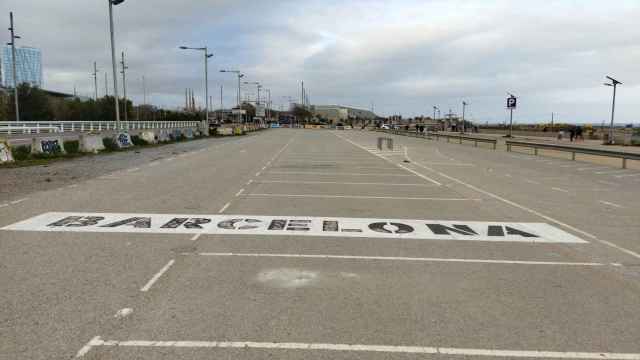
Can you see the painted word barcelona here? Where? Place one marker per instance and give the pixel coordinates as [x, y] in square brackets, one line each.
[295, 225]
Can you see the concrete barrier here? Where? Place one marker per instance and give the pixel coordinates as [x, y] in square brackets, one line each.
[91, 143]
[48, 145]
[5, 153]
[238, 130]
[225, 131]
[163, 136]
[123, 140]
[148, 136]
[188, 133]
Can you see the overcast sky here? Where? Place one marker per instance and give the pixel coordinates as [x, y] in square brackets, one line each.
[402, 57]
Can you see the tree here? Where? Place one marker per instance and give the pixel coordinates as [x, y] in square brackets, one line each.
[4, 106]
[34, 104]
[301, 113]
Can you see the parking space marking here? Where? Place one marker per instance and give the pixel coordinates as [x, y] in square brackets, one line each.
[610, 204]
[16, 202]
[627, 175]
[224, 208]
[338, 183]
[395, 258]
[240, 192]
[331, 173]
[157, 276]
[560, 189]
[361, 348]
[531, 181]
[323, 196]
[610, 172]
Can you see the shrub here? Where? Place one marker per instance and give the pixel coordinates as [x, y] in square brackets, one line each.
[138, 141]
[21, 152]
[72, 147]
[110, 144]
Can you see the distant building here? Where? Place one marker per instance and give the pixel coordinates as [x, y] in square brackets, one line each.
[28, 66]
[338, 113]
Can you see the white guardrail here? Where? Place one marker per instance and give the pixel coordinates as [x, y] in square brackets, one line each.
[35, 127]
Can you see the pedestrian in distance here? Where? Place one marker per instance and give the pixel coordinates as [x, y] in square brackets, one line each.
[572, 134]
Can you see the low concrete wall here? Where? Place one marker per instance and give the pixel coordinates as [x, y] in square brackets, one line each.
[91, 143]
[47, 145]
[123, 140]
[5, 153]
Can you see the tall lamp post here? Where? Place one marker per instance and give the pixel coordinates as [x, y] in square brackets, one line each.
[464, 105]
[240, 76]
[614, 83]
[113, 59]
[124, 87]
[13, 61]
[205, 124]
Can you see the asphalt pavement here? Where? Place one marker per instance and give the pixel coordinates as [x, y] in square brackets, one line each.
[315, 244]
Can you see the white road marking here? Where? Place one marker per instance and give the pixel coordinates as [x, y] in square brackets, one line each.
[169, 159]
[449, 164]
[123, 313]
[15, 202]
[4, 205]
[157, 276]
[258, 174]
[507, 175]
[610, 204]
[337, 183]
[249, 182]
[425, 350]
[72, 186]
[593, 168]
[196, 237]
[560, 189]
[152, 164]
[610, 172]
[283, 225]
[627, 175]
[133, 169]
[224, 208]
[422, 176]
[531, 182]
[571, 166]
[607, 183]
[96, 341]
[323, 196]
[240, 192]
[534, 212]
[397, 258]
[331, 173]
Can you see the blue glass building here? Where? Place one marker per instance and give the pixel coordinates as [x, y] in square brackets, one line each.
[28, 66]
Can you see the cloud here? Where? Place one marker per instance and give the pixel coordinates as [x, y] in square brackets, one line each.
[402, 56]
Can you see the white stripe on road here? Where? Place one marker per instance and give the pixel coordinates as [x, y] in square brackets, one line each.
[559, 189]
[425, 350]
[336, 183]
[331, 173]
[224, 208]
[398, 258]
[610, 172]
[607, 183]
[15, 202]
[627, 175]
[610, 204]
[531, 182]
[593, 168]
[322, 196]
[157, 276]
[133, 169]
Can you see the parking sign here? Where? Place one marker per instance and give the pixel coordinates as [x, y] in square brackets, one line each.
[511, 102]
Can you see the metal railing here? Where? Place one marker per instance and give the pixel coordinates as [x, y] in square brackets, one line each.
[33, 127]
[575, 150]
[431, 135]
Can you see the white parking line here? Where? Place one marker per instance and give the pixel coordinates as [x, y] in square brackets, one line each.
[559, 189]
[425, 350]
[337, 183]
[610, 204]
[321, 196]
[396, 258]
[627, 175]
[531, 182]
[157, 276]
[610, 172]
[331, 173]
[224, 208]
[607, 183]
[196, 237]
[240, 192]
[15, 202]
[133, 169]
[593, 168]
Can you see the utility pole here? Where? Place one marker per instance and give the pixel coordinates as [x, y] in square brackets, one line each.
[464, 105]
[95, 79]
[124, 87]
[106, 85]
[144, 98]
[13, 58]
[614, 83]
[552, 122]
[113, 59]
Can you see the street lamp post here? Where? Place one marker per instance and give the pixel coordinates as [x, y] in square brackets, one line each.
[124, 87]
[614, 83]
[206, 84]
[240, 76]
[95, 79]
[113, 59]
[464, 105]
[13, 58]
